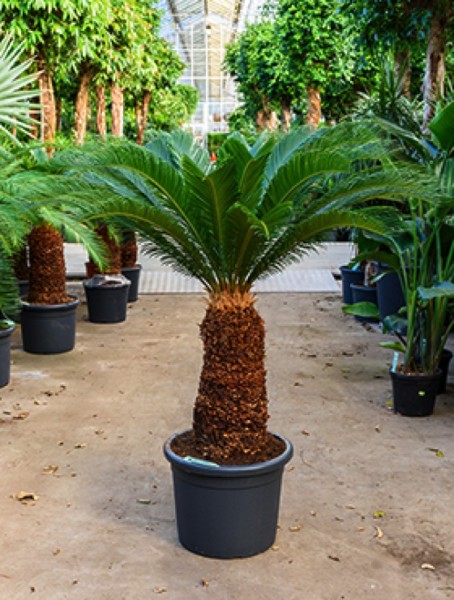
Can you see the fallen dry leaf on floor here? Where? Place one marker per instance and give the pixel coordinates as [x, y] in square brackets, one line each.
[360, 528]
[79, 446]
[333, 557]
[437, 452]
[50, 469]
[159, 590]
[350, 506]
[379, 514]
[25, 496]
[99, 431]
[205, 583]
[295, 528]
[377, 428]
[21, 416]
[428, 566]
[305, 432]
[56, 552]
[275, 548]
[144, 501]
[378, 533]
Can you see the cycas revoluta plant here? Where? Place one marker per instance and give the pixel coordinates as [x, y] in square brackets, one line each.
[250, 215]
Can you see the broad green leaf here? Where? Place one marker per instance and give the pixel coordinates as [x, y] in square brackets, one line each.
[362, 309]
[396, 346]
[442, 126]
[445, 289]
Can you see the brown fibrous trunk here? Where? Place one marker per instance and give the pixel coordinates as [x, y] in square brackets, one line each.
[47, 266]
[128, 249]
[81, 104]
[113, 252]
[20, 264]
[402, 65]
[101, 126]
[286, 115]
[314, 107]
[231, 410]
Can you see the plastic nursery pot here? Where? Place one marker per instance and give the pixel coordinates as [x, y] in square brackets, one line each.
[390, 297]
[362, 293]
[348, 277]
[107, 298]
[5, 354]
[227, 511]
[49, 329]
[445, 359]
[133, 274]
[414, 395]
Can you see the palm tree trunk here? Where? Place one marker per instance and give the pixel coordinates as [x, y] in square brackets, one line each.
[113, 252]
[47, 100]
[402, 66]
[47, 266]
[58, 112]
[101, 126]
[434, 77]
[286, 115]
[231, 410]
[141, 116]
[20, 265]
[81, 105]
[129, 250]
[116, 93]
[314, 107]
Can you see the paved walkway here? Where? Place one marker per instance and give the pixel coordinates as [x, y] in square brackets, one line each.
[314, 273]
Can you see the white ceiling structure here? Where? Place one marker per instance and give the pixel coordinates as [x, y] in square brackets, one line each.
[200, 30]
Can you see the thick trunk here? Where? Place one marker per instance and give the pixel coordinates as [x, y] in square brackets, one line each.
[141, 116]
[231, 410]
[20, 264]
[128, 249]
[113, 252]
[267, 120]
[434, 77]
[101, 126]
[47, 266]
[58, 113]
[402, 66]
[314, 107]
[81, 105]
[286, 115]
[117, 98]
[47, 100]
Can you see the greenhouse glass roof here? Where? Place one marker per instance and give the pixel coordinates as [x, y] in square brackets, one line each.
[200, 30]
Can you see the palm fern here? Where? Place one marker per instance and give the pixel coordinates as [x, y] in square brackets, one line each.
[260, 208]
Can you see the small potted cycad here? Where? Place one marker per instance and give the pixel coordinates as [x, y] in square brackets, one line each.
[229, 224]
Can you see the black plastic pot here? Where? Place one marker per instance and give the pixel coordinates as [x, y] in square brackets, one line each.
[107, 299]
[227, 511]
[414, 395]
[348, 277]
[5, 355]
[133, 274]
[362, 293]
[49, 329]
[445, 359]
[390, 297]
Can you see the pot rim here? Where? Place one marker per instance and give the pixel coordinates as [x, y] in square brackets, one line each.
[8, 331]
[214, 470]
[415, 376]
[44, 307]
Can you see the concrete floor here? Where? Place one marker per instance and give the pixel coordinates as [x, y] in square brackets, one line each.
[367, 505]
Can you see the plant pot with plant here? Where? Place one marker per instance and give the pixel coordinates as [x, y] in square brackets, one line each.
[229, 224]
[107, 290]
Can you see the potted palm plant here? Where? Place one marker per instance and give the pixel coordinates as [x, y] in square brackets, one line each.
[229, 224]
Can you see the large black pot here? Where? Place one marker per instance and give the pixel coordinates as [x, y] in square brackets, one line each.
[227, 511]
[390, 297]
[363, 293]
[5, 354]
[107, 298]
[133, 274]
[49, 329]
[415, 395]
[443, 363]
[348, 277]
